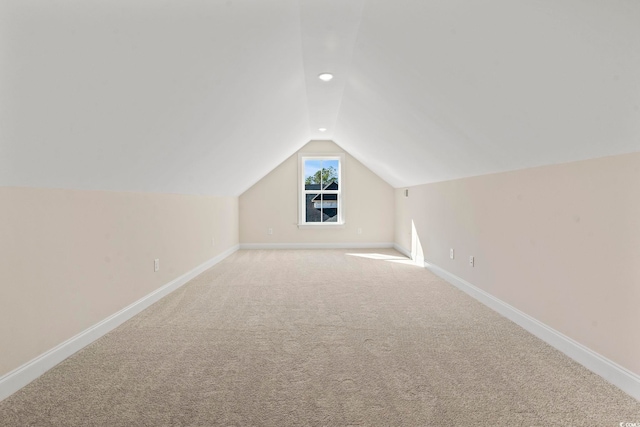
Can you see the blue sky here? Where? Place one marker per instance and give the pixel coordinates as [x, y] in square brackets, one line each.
[312, 166]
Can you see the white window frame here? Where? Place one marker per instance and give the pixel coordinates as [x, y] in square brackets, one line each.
[302, 198]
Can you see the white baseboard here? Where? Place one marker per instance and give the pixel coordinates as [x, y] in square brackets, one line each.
[617, 375]
[23, 375]
[315, 245]
[402, 250]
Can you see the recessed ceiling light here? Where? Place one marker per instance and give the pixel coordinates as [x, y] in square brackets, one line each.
[325, 77]
[322, 129]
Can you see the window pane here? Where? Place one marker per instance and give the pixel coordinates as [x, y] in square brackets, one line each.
[330, 170]
[320, 179]
[330, 208]
[322, 173]
[314, 208]
[312, 174]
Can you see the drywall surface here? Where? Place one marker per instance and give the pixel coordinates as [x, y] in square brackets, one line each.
[273, 203]
[560, 243]
[69, 258]
[167, 91]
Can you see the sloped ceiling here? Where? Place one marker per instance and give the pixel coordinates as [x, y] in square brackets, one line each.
[206, 97]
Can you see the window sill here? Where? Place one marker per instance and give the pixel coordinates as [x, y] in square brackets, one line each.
[321, 225]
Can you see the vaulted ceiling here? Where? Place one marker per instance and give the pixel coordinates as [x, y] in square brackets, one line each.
[208, 96]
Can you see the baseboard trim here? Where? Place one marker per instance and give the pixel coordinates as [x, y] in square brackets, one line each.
[315, 245]
[23, 375]
[402, 250]
[617, 375]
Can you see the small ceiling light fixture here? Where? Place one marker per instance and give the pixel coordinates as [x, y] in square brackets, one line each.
[325, 77]
[322, 129]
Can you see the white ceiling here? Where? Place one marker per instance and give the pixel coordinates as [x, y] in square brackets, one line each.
[208, 96]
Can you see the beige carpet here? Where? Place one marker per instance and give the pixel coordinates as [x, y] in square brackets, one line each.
[318, 338]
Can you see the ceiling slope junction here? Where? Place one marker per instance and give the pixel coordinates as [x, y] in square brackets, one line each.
[439, 90]
[195, 97]
[207, 97]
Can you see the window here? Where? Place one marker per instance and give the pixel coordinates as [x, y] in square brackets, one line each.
[320, 178]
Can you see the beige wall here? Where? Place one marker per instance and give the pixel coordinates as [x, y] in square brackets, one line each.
[273, 203]
[561, 243]
[69, 259]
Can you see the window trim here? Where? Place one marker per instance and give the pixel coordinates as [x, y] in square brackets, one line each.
[302, 201]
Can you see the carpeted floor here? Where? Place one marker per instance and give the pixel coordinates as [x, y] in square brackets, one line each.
[318, 338]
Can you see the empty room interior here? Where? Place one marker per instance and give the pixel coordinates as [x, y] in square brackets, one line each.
[320, 212]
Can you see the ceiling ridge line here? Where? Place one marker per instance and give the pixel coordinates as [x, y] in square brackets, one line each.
[348, 67]
[304, 74]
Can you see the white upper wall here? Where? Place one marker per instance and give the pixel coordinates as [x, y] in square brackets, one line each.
[196, 97]
[447, 89]
[207, 97]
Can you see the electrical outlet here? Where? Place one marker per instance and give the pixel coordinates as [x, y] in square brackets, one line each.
[269, 230]
[156, 265]
[451, 253]
[213, 241]
[471, 261]
[359, 230]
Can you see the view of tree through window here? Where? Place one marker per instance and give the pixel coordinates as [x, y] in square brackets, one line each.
[322, 189]
[328, 175]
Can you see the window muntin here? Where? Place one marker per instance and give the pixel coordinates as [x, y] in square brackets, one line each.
[321, 190]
